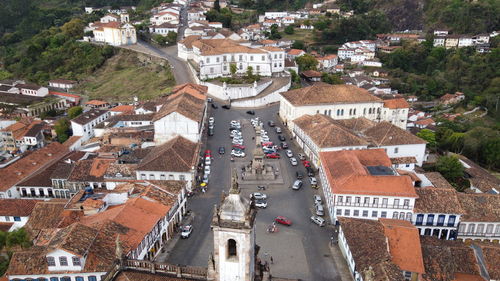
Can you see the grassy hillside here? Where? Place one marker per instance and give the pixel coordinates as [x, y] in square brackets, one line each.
[128, 74]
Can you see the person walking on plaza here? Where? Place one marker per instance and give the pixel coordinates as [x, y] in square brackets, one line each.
[272, 261]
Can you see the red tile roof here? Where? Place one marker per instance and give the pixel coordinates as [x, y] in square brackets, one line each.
[122, 108]
[396, 103]
[96, 102]
[295, 52]
[17, 207]
[322, 93]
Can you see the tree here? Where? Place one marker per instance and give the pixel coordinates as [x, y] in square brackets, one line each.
[299, 44]
[491, 153]
[62, 129]
[331, 78]
[289, 30]
[451, 168]
[159, 39]
[295, 76]
[217, 5]
[307, 62]
[250, 72]
[73, 28]
[171, 38]
[429, 136]
[274, 32]
[233, 68]
[74, 111]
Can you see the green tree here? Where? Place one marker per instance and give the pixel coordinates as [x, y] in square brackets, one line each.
[159, 39]
[429, 136]
[62, 128]
[295, 76]
[233, 68]
[289, 29]
[250, 72]
[299, 44]
[451, 168]
[217, 5]
[307, 62]
[331, 78]
[490, 153]
[18, 237]
[73, 28]
[74, 111]
[171, 38]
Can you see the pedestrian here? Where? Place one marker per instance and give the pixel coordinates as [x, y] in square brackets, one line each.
[272, 261]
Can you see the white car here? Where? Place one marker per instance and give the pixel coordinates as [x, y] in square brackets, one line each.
[317, 199]
[301, 156]
[313, 181]
[261, 203]
[289, 153]
[208, 161]
[207, 170]
[258, 195]
[205, 178]
[293, 161]
[186, 231]
[211, 120]
[318, 220]
[240, 142]
[237, 153]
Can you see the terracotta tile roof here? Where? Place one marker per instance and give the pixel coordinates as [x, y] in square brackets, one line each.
[426, 121]
[385, 133]
[209, 47]
[322, 93]
[75, 239]
[347, 172]
[403, 160]
[28, 262]
[177, 155]
[164, 192]
[122, 108]
[96, 102]
[438, 180]
[327, 57]
[443, 259]
[5, 226]
[72, 140]
[480, 207]
[189, 40]
[468, 277]
[190, 105]
[479, 177]
[29, 86]
[491, 254]
[295, 52]
[396, 103]
[311, 73]
[324, 132]
[196, 90]
[437, 200]
[272, 49]
[130, 275]
[404, 244]
[17, 207]
[30, 164]
[48, 214]
[374, 254]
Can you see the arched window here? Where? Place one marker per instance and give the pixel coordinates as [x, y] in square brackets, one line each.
[364, 111]
[231, 248]
[354, 111]
[369, 111]
[472, 228]
[342, 112]
[92, 278]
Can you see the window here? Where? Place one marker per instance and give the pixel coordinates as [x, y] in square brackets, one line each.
[258, 68]
[384, 202]
[430, 219]
[251, 58]
[347, 212]
[480, 229]
[408, 216]
[63, 261]
[143, 176]
[402, 216]
[51, 262]
[66, 278]
[395, 215]
[182, 177]
[241, 57]
[217, 59]
[76, 262]
[79, 278]
[420, 219]
[356, 213]
[223, 59]
[163, 177]
[489, 229]
[375, 201]
[451, 220]
[365, 213]
[406, 203]
[7, 218]
[366, 201]
[357, 200]
[263, 58]
[211, 70]
[340, 199]
[339, 212]
[383, 214]
[472, 228]
[374, 214]
[92, 278]
[441, 220]
[208, 60]
[231, 248]
[396, 203]
[396, 150]
[151, 176]
[348, 199]
[54, 279]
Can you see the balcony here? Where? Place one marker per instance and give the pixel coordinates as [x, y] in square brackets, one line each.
[385, 206]
[473, 234]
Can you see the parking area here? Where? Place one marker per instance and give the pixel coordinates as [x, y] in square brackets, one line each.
[298, 251]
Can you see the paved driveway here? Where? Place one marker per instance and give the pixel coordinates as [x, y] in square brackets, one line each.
[300, 251]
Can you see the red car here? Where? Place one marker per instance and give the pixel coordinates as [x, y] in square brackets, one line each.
[283, 220]
[273, 156]
[306, 163]
[239, 146]
[269, 143]
[208, 153]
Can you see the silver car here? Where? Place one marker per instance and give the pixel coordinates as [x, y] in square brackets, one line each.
[318, 220]
[293, 161]
[319, 210]
[317, 199]
[297, 185]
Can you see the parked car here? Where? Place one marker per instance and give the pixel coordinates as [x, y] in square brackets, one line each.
[186, 231]
[237, 153]
[261, 203]
[251, 112]
[297, 185]
[318, 220]
[210, 100]
[214, 106]
[301, 156]
[313, 181]
[211, 132]
[208, 161]
[293, 161]
[205, 178]
[211, 120]
[284, 145]
[278, 130]
[283, 220]
[273, 155]
[271, 123]
[317, 199]
[319, 210]
[207, 170]
[226, 106]
[208, 153]
[239, 146]
[258, 195]
[299, 175]
[306, 163]
[289, 153]
[222, 150]
[281, 138]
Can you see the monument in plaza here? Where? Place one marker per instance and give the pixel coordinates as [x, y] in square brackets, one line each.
[258, 169]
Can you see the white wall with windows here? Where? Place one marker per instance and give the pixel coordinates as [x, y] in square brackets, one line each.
[59, 260]
[484, 231]
[346, 252]
[187, 176]
[176, 124]
[81, 276]
[443, 226]
[18, 221]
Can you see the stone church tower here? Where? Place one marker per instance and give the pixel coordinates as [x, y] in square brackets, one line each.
[234, 238]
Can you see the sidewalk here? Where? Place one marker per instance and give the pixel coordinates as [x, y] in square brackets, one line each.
[163, 255]
[340, 262]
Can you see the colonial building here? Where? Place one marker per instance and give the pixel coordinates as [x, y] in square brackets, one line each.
[14, 213]
[393, 253]
[116, 31]
[23, 135]
[338, 102]
[363, 184]
[84, 124]
[319, 133]
[437, 212]
[481, 220]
